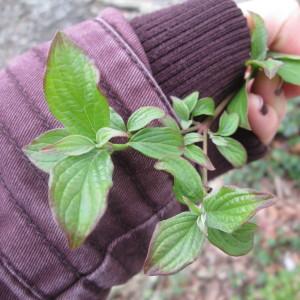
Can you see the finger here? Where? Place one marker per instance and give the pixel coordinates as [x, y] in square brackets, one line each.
[270, 91]
[263, 119]
[282, 20]
[287, 39]
[275, 14]
[291, 91]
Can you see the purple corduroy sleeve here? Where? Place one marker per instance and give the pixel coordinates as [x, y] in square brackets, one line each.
[35, 261]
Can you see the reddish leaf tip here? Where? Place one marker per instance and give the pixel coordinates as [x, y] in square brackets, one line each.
[73, 242]
[60, 37]
[49, 148]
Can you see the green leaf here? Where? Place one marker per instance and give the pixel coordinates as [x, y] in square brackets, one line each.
[176, 243]
[191, 101]
[116, 121]
[187, 181]
[104, 135]
[232, 150]
[231, 207]
[219, 140]
[229, 124]
[170, 122]
[204, 107]
[45, 161]
[192, 138]
[277, 55]
[290, 71]
[259, 38]
[157, 142]
[238, 243]
[239, 105]
[271, 67]
[72, 145]
[143, 116]
[181, 109]
[196, 154]
[71, 91]
[79, 188]
[186, 124]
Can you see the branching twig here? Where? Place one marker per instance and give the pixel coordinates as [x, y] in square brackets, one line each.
[201, 127]
[205, 150]
[219, 110]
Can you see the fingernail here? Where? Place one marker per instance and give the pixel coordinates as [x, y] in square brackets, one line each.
[248, 73]
[250, 85]
[279, 90]
[264, 110]
[262, 107]
[260, 102]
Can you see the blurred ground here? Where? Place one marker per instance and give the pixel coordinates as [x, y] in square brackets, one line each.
[25, 23]
[272, 271]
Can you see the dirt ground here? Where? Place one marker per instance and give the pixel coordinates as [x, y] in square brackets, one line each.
[25, 23]
[216, 276]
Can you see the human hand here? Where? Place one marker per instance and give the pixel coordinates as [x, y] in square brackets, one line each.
[267, 101]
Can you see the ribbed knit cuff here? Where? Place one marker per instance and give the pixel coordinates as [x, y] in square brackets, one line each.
[187, 43]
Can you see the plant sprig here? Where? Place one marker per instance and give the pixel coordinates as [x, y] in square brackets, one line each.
[78, 157]
[273, 64]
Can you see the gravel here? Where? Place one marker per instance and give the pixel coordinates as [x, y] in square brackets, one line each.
[24, 23]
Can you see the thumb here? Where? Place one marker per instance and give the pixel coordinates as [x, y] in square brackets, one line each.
[276, 13]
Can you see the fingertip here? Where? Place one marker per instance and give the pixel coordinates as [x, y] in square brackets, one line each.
[274, 13]
[263, 119]
[268, 89]
[287, 38]
[291, 91]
